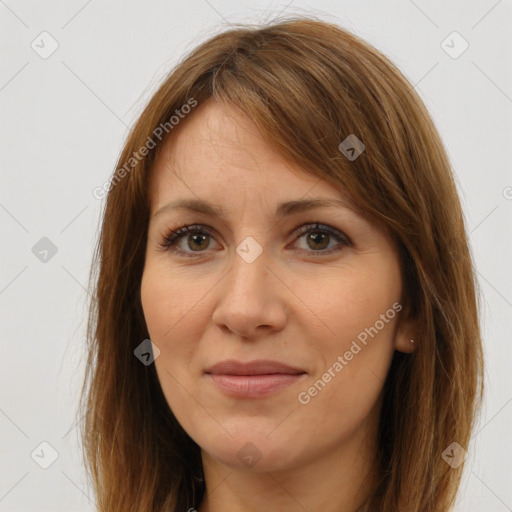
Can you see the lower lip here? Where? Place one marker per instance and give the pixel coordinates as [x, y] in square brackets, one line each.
[253, 386]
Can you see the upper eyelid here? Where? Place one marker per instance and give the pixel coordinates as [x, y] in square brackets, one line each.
[196, 226]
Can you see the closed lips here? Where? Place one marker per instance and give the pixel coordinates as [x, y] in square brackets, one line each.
[259, 367]
[253, 380]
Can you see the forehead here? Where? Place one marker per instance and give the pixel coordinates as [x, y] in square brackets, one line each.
[218, 154]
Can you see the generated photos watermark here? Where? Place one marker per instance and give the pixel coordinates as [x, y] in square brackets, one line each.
[304, 397]
[158, 133]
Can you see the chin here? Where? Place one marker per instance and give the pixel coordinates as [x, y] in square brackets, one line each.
[252, 452]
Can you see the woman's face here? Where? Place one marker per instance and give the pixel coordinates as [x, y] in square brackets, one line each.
[265, 283]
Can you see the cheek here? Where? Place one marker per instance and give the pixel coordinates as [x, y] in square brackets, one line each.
[346, 388]
[170, 303]
[359, 314]
[175, 318]
[348, 301]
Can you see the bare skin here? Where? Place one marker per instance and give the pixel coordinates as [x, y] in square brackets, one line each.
[303, 301]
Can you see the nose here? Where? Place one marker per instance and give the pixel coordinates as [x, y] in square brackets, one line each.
[251, 299]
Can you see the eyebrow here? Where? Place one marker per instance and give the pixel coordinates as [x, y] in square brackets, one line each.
[284, 209]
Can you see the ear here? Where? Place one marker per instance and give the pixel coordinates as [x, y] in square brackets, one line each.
[405, 340]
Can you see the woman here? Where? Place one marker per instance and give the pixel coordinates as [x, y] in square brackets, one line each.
[283, 225]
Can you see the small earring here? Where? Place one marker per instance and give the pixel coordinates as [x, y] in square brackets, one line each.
[412, 341]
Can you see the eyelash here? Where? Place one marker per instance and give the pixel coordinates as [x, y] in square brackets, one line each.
[174, 235]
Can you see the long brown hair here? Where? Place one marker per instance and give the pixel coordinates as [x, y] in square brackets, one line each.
[307, 85]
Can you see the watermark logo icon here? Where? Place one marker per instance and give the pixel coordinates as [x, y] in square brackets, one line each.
[44, 455]
[454, 45]
[249, 455]
[454, 455]
[249, 249]
[44, 45]
[44, 250]
[147, 352]
[352, 147]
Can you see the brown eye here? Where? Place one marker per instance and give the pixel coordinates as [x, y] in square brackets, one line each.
[197, 241]
[319, 236]
[317, 241]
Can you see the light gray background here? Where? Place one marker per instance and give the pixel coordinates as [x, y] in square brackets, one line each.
[63, 121]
